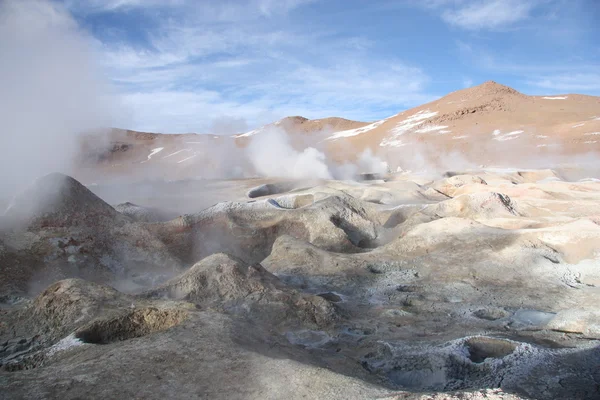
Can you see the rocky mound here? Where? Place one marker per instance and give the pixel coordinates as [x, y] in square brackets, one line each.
[142, 214]
[78, 311]
[291, 256]
[219, 278]
[476, 205]
[293, 201]
[222, 281]
[62, 230]
[272, 188]
[247, 230]
[488, 394]
[450, 185]
[129, 325]
[534, 176]
[57, 200]
[480, 361]
[66, 305]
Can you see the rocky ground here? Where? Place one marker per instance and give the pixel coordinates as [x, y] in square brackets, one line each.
[482, 284]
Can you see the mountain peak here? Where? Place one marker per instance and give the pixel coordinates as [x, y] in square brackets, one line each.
[294, 119]
[492, 87]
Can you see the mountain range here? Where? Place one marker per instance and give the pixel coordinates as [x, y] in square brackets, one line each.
[489, 124]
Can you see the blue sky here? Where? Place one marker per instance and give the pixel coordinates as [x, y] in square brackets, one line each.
[229, 66]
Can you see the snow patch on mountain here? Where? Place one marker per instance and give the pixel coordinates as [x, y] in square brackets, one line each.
[357, 131]
[406, 125]
[154, 151]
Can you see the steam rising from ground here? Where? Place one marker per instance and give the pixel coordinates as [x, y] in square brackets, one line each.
[272, 154]
[51, 91]
[369, 162]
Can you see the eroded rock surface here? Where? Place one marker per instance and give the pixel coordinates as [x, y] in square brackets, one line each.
[477, 284]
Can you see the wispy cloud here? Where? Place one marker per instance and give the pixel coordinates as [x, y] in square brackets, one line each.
[483, 14]
[272, 7]
[200, 62]
[102, 6]
[185, 65]
[579, 82]
[296, 89]
[225, 10]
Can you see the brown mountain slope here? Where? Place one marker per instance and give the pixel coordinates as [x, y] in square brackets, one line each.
[483, 123]
[488, 124]
[129, 146]
[298, 124]
[302, 132]
[125, 153]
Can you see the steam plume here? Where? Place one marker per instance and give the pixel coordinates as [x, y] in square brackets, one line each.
[51, 91]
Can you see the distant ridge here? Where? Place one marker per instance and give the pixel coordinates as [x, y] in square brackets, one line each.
[486, 124]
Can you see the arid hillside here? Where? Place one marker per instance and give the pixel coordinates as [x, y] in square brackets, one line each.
[489, 124]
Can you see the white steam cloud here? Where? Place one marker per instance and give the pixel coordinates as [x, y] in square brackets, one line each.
[369, 162]
[51, 91]
[271, 154]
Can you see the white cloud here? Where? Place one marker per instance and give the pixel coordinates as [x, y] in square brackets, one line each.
[373, 83]
[272, 7]
[246, 60]
[183, 111]
[224, 10]
[103, 6]
[259, 98]
[578, 82]
[483, 14]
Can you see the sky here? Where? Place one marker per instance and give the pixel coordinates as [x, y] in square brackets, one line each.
[229, 66]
